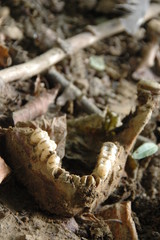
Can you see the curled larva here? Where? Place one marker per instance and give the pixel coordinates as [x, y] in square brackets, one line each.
[53, 161]
[37, 135]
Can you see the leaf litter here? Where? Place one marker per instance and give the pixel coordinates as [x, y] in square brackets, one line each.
[145, 150]
[85, 134]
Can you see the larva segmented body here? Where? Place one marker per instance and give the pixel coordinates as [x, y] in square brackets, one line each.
[45, 148]
[107, 157]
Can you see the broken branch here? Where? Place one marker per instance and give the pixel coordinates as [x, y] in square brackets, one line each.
[46, 60]
[37, 107]
[88, 106]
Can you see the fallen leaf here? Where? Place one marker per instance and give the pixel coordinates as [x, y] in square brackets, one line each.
[97, 62]
[145, 150]
[4, 170]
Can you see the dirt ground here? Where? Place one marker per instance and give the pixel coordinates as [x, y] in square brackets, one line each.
[28, 29]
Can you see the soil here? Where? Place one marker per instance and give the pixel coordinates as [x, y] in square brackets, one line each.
[36, 25]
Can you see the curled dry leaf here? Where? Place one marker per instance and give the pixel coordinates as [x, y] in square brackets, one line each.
[35, 108]
[124, 101]
[119, 219]
[5, 59]
[4, 170]
[7, 94]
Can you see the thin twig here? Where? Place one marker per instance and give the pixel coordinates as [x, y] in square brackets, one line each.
[88, 106]
[35, 108]
[46, 60]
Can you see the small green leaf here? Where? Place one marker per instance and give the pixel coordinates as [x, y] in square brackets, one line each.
[145, 150]
[97, 62]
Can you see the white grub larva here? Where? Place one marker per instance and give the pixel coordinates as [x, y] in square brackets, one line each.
[102, 170]
[53, 161]
[37, 135]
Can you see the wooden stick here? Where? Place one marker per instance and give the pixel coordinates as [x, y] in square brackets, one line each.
[80, 41]
[35, 108]
[88, 106]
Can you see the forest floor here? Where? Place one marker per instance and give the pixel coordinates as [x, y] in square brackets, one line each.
[106, 73]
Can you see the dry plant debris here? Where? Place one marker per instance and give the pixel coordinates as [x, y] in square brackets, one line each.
[59, 191]
[74, 164]
[119, 218]
[35, 108]
[4, 170]
[46, 60]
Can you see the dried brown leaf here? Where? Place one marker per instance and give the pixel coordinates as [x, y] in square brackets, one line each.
[4, 170]
[35, 108]
[124, 228]
[5, 59]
